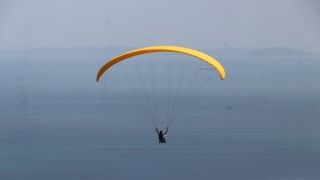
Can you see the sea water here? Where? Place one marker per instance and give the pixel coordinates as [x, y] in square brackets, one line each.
[262, 122]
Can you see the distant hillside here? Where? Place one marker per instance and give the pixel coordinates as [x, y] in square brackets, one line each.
[276, 51]
[280, 51]
[229, 51]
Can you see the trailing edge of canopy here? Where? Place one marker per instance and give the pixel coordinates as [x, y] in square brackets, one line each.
[175, 49]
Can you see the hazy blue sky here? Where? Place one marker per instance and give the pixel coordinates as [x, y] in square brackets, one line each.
[195, 23]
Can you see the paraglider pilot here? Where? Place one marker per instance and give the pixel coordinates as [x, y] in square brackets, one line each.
[162, 135]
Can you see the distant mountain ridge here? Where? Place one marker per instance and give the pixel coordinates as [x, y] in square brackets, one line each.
[275, 51]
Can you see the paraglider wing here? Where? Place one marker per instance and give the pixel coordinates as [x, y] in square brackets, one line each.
[153, 49]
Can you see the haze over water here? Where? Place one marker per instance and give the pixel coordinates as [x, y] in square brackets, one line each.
[261, 122]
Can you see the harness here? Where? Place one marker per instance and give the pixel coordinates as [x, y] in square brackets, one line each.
[161, 137]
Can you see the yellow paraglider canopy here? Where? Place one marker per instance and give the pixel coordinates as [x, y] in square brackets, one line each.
[175, 49]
